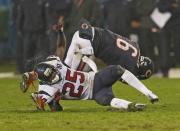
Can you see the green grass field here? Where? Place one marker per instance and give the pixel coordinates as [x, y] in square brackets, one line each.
[17, 112]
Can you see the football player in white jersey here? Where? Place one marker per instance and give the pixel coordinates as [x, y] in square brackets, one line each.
[58, 81]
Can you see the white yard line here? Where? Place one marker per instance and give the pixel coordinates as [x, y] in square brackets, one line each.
[7, 75]
[174, 73]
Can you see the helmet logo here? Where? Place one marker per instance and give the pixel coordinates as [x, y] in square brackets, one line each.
[146, 67]
[48, 72]
[84, 26]
[148, 73]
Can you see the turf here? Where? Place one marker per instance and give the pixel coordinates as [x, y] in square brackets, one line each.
[17, 112]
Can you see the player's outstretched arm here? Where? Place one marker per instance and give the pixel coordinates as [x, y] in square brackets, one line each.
[61, 45]
[61, 38]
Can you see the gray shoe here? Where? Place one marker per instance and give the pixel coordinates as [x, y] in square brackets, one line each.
[136, 107]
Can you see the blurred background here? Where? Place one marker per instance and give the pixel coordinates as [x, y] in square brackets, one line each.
[26, 28]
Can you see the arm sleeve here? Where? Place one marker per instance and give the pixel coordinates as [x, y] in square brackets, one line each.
[71, 51]
[78, 45]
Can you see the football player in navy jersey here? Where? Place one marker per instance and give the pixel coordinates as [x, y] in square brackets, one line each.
[58, 81]
[111, 48]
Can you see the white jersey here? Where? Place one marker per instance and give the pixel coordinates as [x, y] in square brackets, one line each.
[74, 84]
[79, 48]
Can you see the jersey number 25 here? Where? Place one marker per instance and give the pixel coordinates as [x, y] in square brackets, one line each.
[74, 91]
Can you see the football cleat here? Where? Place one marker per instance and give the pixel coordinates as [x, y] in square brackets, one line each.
[153, 98]
[136, 107]
[27, 80]
[39, 102]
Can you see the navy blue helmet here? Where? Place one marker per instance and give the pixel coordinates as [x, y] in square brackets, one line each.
[145, 67]
[47, 74]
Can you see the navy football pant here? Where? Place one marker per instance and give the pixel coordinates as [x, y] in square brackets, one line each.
[103, 81]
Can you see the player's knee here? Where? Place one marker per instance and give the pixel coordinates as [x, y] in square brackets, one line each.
[104, 100]
[120, 70]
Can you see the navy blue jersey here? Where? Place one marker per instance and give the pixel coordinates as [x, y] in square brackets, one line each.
[114, 49]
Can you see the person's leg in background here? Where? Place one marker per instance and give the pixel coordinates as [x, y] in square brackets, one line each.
[176, 42]
[19, 54]
[146, 43]
[164, 51]
[28, 50]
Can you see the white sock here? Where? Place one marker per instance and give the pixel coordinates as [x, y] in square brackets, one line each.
[120, 103]
[136, 83]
